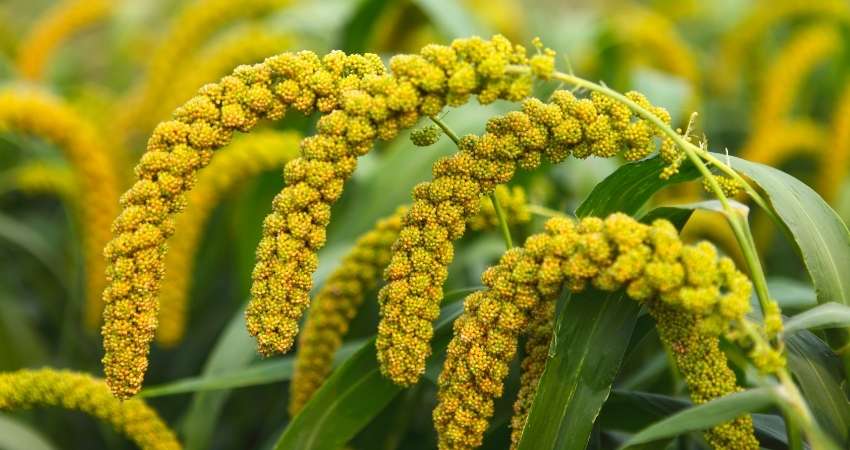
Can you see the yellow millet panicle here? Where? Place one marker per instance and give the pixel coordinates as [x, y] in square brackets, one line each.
[655, 37]
[192, 27]
[835, 163]
[134, 419]
[360, 102]
[338, 301]
[373, 106]
[737, 45]
[248, 46]
[44, 178]
[703, 365]
[785, 140]
[335, 306]
[242, 160]
[513, 202]
[48, 118]
[566, 125]
[649, 261]
[782, 81]
[536, 354]
[58, 24]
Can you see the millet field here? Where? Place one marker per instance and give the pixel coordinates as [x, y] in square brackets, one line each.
[424, 224]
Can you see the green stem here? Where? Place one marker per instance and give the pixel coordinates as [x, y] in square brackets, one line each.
[795, 439]
[500, 213]
[795, 409]
[443, 126]
[503, 221]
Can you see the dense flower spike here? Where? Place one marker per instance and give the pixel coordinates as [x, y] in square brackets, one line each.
[372, 106]
[653, 266]
[58, 24]
[703, 365]
[738, 43]
[189, 30]
[566, 125]
[338, 301]
[645, 37]
[360, 101]
[248, 46]
[536, 354]
[836, 162]
[784, 140]
[242, 160]
[782, 80]
[81, 392]
[47, 118]
[39, 178]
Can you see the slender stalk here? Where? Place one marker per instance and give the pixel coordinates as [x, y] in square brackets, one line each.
[503, 221]
[793, 404]
[500, 213]
[795, 439]
[443, 126]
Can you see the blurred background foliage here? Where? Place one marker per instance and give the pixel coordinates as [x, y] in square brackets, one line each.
[768, 79]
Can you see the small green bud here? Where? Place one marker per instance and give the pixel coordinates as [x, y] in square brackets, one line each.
[425, 136]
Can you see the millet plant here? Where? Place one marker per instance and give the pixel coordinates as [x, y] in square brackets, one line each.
[571, 296]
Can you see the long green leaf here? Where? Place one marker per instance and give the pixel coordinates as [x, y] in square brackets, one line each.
[630, 186]
[705, 416]
[21, 345]
[827, 315]
[22, 236]
[263, 372]
[578, 377]
[352, 396]
[632, 411]
[816, 230]
[818, 372]
[676, 215]
[16, 435]
[233, 350]
[359, 27]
